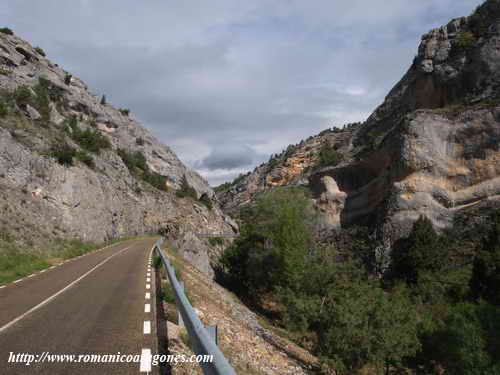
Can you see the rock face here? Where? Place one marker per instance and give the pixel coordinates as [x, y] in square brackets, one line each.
[432, 148]
[42, 200]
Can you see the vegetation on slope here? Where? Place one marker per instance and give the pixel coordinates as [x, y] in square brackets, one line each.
[436, 307]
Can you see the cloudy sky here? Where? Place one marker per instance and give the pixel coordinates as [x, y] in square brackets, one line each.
[226, 83]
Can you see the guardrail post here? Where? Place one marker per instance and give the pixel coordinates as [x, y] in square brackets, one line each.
[180, 322]
[212, 332]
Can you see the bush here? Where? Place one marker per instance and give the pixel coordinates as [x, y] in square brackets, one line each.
[216, 241]
[23, 95]
[137, 165]
[89, 139]
[466, 342]
[328, 157]
[63, 153]
[465, 40]
[67, 79]
[40, 51]
[124, 111]
[4, 110]
[85, 158]
[275, 239]
[205, 200]
[485, 281]
[186, 191]
[6, 30]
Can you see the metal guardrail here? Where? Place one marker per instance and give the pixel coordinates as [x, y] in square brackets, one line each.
[210, 235]
[200, 338]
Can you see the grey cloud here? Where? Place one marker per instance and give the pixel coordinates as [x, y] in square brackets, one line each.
[230, 158]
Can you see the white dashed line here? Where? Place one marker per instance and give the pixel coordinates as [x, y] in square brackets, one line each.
[147, 327]
[148, 286]
[42, 271]
[18, 281]
[31, 275]
[148, 280]
[3, 286]
[148, 295]
[149, 274]
[145, 360]
[147, 308]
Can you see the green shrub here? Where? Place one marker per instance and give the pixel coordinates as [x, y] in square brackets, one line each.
[6, 30]
[137, 165]
[186, 190]
[485, 281]
[89, 139]
[40, 51]
[465, 40]
[67, 78]
[23, 95]
[205, 200]
[5, 72]
[466, 342]
[328, 157]
[275, 239]
[168, 294]
[63, 153]
[4, 110]
[85, 158]
[216, 241]
[124, 111]
[157, 262]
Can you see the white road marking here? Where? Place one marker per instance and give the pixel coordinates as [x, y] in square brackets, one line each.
[31, 275]
[44, 302]
[148, 295]
[18, 280]
[3, 286]
[147, 327]
[149, 274]
[147, 308]
[148, 286]
[148, 280]
[145, 360]
[43, 271]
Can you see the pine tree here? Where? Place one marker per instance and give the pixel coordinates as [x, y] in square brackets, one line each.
[485, 281]
[419, 253]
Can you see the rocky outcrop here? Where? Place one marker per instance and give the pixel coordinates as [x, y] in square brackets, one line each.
[293, 166]
[94, 199]
[432, 147]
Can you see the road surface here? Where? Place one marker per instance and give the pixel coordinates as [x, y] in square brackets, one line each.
[95, 304]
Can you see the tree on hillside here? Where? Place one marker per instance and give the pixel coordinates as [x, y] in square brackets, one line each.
[275, 240]
[418, 254]
[485, 281]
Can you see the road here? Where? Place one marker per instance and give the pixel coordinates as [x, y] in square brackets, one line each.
[95, 304]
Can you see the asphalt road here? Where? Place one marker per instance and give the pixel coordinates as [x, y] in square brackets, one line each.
[95, 304]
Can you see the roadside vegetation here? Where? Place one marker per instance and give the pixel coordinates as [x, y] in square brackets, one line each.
[435, 309]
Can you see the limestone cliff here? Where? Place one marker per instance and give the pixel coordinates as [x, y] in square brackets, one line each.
[91, 194]
[431, 148]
